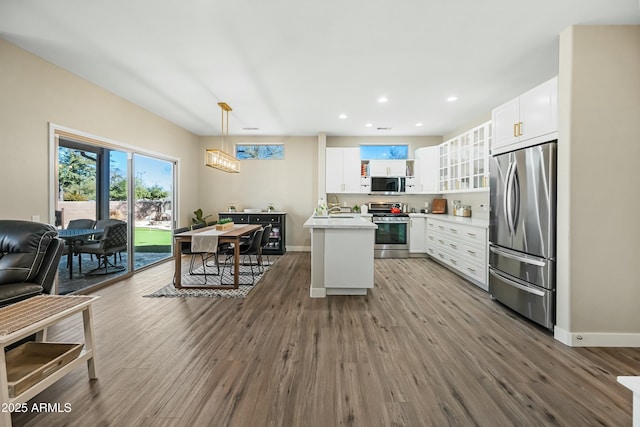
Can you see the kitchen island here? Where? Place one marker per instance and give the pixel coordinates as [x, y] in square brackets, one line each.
[341, 255]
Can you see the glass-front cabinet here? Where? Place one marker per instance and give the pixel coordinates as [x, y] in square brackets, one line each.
[444, 167]
[481, 137]
[464, 161]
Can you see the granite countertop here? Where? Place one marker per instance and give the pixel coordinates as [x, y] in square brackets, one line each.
[337, 222]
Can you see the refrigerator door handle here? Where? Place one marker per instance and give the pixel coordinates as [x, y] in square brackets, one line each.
[508, 210]
[517, 257]
[515, 187]
[516, 285]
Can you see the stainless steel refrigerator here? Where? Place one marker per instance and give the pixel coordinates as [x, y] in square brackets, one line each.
[522, 231]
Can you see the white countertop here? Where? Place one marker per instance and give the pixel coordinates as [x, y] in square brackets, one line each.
[336, 222]
[472, 221]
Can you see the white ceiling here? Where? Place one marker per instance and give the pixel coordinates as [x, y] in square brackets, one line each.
[290, 67]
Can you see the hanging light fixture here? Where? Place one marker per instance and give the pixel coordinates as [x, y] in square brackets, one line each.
[218, 158]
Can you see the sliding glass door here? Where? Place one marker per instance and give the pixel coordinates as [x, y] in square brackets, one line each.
[102, 187]
[153, 209]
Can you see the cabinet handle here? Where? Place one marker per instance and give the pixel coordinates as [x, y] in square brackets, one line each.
[453, 230]
[471, 234]
[441, 227]
[453, 246]
[441, 256]
[471, 252]
[520, 129]
[473, 270]
[441, 241]
[453, 261]
[515, 129]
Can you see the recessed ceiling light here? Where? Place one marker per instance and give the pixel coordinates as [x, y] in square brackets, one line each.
[342, 116]
[452, 98]
[382, 99]
[418, 124]
[368, 125]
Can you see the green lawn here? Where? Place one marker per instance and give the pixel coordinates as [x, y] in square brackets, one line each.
[152, 237]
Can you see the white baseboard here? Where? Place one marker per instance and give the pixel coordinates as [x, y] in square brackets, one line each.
[346, 291]
[596, 339]
[318, 292]
[299, 248]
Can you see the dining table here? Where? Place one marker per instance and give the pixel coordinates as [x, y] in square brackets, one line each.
[73, 235]
[233, 235]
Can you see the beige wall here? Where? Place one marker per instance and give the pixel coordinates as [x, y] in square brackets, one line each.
[599, 148]
[34, 93]
[290, 184]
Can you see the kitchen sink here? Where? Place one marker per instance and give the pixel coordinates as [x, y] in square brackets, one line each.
[340, 216]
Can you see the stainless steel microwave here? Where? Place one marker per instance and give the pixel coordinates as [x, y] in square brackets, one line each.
[387, 184]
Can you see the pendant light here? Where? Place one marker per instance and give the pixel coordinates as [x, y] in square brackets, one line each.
[219, 159]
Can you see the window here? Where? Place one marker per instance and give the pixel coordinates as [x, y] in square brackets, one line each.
[384, 152]
[260, 151]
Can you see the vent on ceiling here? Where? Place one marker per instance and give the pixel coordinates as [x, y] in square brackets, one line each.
[383, 128]
[250, 128]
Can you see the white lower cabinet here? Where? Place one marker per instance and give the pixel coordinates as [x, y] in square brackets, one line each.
[417, 234]
[461, 247]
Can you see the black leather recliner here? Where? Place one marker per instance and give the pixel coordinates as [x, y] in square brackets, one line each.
[29, 256]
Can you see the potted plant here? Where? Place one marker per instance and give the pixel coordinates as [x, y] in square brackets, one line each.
[199, 218]
[224, 224]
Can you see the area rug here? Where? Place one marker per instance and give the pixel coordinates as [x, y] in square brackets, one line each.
[213, 279]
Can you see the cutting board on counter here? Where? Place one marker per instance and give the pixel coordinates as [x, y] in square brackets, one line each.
[439, 206]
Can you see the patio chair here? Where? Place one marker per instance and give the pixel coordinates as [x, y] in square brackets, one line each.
[101, 224]
[114, 240]
[76, 224]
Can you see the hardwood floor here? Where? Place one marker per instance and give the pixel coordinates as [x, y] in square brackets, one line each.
[424, 348]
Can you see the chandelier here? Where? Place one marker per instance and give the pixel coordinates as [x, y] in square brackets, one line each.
[218, 158]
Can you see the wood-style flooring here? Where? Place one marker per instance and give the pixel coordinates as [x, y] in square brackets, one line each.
[424, 348]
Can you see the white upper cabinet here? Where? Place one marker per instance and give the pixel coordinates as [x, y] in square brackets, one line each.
[426, 170]
[529, 119]
[387, 167]
[463, 161]
[342, 170]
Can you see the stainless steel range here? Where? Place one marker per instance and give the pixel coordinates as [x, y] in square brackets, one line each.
[392, 235]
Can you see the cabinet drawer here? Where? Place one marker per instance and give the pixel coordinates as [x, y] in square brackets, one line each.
[238, 219]
[438, 226]
[473, 234]
[264, 219]
[476, 271]
[445, 256]
[474, 252]
[446, 242]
